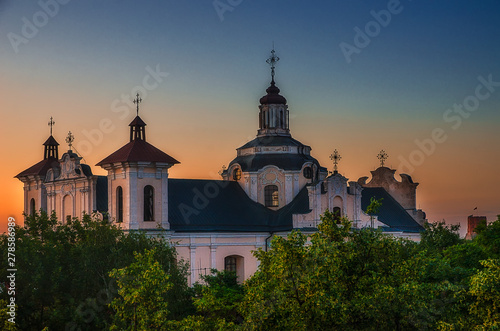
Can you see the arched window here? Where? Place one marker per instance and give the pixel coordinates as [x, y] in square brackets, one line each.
[337, 214]
[237, 174]
[235, 263]
[32, 207]
[149, 199]
[119, 204]
[308, 172]
[271, 196]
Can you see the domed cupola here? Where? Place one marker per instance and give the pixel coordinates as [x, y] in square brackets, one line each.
[273, 96]
[273, 114]
[273, 168]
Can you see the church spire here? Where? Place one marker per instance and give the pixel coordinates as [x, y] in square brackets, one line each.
[137, 126]
[273, 115]
[50, 145]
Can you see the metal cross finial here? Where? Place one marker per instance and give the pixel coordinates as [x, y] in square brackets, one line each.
[382, 156]
[335, 157]
[272, 61]
[221, 171]
[137, 101]
[69, 139]
[51, 124]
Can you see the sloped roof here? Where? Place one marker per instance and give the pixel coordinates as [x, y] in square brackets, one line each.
[51, 141]
[138, 151]
[272, 141]
[256, 162]
[40, 169]
[225, 207]
[391, 212]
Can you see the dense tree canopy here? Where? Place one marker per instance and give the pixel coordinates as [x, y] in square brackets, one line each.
[63, 277]
[90, 275]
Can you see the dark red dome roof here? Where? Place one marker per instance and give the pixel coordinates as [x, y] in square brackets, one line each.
[273, 96]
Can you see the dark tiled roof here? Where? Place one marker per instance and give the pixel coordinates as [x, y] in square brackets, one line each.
[391, 212]
[87, 171]
[137, 151]
[225, 207]
[137, 121]
[51, 141]
[40, 168]
[283, 161]
[273, 141]
[102, 193]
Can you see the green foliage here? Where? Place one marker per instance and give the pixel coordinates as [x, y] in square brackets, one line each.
[438, 236]
[374, 206]
[338, 279]
[219, 296]
[488, 237]
[216, 301]
[144, 287]
[485, 291]
[5, 324]
[63, 271]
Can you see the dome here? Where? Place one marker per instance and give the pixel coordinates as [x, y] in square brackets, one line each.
[273, 96]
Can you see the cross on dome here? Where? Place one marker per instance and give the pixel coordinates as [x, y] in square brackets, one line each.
[335, 157]
[382, 156]
[272, 60]
[69, 139]
[51, 124]
[137, 101]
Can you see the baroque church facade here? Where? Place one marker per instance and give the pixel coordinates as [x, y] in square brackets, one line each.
[272, 186]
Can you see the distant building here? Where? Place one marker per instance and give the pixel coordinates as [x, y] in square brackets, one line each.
[272, 186]
[472, 223]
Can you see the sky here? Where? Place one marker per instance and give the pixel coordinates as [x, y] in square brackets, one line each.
[419, 79]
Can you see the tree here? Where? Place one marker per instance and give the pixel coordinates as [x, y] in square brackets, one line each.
[488, 237]
[345, 279]
[144, 287]
[485, 290]
[216, 300]
[63, 271]
[373, 208]
[438, 236]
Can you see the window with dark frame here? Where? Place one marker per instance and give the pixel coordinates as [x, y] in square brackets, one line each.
[148, 203]
[237, 174]
[32, 207]
[308, 173]
[337, 214]
[230, 263]
[119, 204]
[271, 196]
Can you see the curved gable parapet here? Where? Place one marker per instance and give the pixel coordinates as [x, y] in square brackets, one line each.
[403, 191]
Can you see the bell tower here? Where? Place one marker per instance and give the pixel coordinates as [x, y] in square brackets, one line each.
[138, 181]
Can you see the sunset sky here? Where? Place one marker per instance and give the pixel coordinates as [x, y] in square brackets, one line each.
[419, 79]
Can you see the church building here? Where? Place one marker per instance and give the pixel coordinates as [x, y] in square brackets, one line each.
[272, 186]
